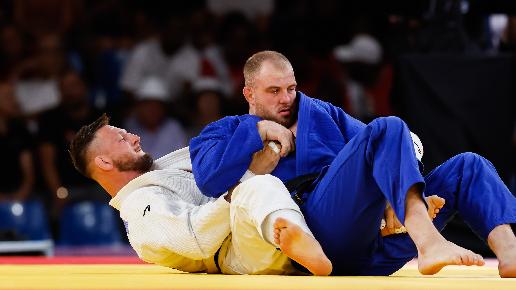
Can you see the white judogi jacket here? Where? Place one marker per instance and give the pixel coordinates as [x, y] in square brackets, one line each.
[169, 221]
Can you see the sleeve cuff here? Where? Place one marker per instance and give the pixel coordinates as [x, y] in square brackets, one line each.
[248, 174]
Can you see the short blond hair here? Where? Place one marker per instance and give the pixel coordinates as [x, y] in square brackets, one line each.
[254, 63]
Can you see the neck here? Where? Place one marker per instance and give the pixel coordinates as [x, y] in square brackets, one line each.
[113, 183]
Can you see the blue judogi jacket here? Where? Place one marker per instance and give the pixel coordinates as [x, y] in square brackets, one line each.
[223, 151]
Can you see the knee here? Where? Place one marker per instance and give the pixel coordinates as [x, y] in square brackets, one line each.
[387, 122]
[257, 187]
[473, 159]
[469, 157]
[385, 125]
[262, 181]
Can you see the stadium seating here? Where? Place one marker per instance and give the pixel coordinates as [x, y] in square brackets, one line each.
[89, 223]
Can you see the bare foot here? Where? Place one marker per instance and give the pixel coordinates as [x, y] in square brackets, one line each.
[435, 203]
[507, 268]
[444, 253]
[503, 243]
[507, 263]
[301, 247]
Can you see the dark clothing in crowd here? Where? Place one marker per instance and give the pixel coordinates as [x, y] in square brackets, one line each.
[13, 142]
[58, 128]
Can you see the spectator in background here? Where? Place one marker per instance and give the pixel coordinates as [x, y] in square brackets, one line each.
[369, 81]
[164, 56]
[212, 62]
[256, 12]
[508, 41]
[56, 129]
[171, 57]
[12, 50]
[46, 16]
[17, 166]
[105, 43]
[312, 27]
[37, 76]
[252, 9]
[208, 103]
[159, 134]
[238, 40]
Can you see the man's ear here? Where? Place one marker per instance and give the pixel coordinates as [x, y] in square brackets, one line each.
[248, 94]
[104, 163]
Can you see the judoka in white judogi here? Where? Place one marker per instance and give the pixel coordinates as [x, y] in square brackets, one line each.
[170, 223]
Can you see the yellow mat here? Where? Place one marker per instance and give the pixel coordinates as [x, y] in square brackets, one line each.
[15, 277]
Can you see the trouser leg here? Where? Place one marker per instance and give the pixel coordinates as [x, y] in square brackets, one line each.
[249, 252]
[473, 189]
[345, 208]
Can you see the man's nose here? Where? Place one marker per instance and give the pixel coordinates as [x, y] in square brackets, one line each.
[285, 98]
[134, 138]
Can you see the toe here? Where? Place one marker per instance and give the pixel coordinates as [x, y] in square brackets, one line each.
[458, 260]
[467, 259]
[280, 223]
[480, 260]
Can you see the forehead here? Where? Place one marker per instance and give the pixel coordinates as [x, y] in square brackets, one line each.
[105, 138]
[108, 132]
[279, 72]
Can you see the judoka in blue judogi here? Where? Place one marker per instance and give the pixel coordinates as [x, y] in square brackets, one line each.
[360, 168]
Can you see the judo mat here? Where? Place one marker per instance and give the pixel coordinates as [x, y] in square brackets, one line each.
[130, 273]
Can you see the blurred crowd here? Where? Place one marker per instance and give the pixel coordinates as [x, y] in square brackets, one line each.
[165, 69]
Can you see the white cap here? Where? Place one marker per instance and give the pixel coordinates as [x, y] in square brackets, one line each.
[207, 84]
[362, 48]
[152, 88]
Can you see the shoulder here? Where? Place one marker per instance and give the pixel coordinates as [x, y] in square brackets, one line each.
[226, 123]
[142, 201]
[324, 105]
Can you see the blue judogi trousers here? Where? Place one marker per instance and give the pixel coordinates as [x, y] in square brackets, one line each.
[378, 165]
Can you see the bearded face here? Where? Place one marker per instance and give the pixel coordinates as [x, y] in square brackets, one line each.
[140, 164]
[285, 115]
[272, 94]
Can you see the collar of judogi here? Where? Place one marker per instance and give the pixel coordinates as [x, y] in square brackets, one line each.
[179, 159]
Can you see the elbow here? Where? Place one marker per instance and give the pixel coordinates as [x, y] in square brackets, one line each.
[207, 188]
[209, 193]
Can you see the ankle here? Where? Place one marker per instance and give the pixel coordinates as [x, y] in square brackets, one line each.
[502, 239]
[429, 244]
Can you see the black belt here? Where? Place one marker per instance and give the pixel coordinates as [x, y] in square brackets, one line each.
[300, 185]
[216, 260]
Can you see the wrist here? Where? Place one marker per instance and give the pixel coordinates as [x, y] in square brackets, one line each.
[248, 174]
[259, 127]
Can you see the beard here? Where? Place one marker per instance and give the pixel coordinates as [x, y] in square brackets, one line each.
[141, 164]
[287, 122]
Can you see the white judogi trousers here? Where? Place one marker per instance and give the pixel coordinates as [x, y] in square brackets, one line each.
[246, 251]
